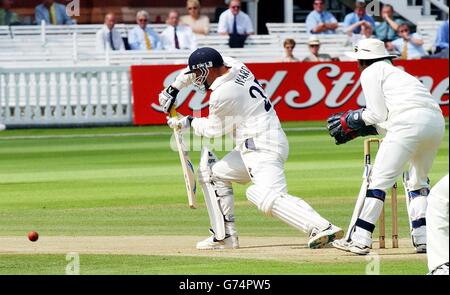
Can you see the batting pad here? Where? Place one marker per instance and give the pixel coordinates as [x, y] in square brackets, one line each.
[216, 217]
[292, 210]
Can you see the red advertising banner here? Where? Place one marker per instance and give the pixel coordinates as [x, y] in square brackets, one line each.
[298, 91]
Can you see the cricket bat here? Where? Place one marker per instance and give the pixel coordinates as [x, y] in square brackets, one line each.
[186, 164]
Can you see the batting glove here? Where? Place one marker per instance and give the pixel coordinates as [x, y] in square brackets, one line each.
[182, 123]
[167, 98]
[183, 80]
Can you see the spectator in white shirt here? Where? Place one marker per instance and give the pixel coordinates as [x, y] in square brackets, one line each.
[176, 36]
[410, 46]
[108, 38]
[236, 24]
[233, 19]
[143, 37]
[199, 23]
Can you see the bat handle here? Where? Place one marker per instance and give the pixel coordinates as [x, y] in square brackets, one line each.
[173, 112]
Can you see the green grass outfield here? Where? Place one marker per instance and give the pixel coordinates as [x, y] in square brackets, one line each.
[126, 181]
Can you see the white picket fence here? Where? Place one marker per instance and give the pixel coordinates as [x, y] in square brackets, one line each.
[65, 96]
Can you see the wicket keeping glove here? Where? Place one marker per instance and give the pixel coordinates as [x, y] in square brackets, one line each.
[180, 123]
[346, 126]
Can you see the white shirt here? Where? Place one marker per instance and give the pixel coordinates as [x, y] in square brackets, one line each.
[237, 106]
[391, 92]
[186, 38]
[102, 41]
[414, 51]
[243, 23]
[136, 38]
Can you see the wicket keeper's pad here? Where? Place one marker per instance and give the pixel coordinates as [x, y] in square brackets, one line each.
[292, 210]
[216, 218]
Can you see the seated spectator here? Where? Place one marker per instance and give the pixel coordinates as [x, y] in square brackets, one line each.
[52, 13]
[198, 23]
[442, 37]
[320, 21]
[289, 45]
[357, 16]
[410, 46]
[176, 36]
[236, 24]
[366, 33]
[142, 37]
[108, 37]
[358, 25]
[314, 47]
[386, 31]
[7, 17]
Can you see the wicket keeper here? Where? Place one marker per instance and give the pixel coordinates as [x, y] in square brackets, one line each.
[401, 107]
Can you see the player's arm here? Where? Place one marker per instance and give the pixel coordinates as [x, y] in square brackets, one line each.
[372, 85]
[348, 125]
[168, 96]
[222, 118]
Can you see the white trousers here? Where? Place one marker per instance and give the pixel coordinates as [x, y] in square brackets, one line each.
[265, 170]
[414, 137]
[438, 225]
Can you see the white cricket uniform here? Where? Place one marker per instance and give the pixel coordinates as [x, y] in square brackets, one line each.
[437, 222]
[254, 125]
[414, 127]
[238, 106]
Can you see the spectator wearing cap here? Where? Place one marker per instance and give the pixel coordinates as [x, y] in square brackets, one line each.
[176, 36]
[52, 13]
[314, 48]
[357, 17]
[289, 45]
[143, 37]
[320, 21]
[197, 22]
[386, 31]
[236, 24]
[8, 17]
[441, 42]
[410, 46]
[108, 37]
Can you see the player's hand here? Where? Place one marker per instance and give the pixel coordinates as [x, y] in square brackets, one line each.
[334, 125]
[183, 80]
[179, 123]
[348, 121]
[167, 98]
[341, 137]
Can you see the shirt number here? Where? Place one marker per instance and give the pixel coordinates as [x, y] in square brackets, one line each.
[258, 88]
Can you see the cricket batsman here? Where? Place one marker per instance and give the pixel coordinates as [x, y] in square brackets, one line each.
[401, 107]
[239, 106]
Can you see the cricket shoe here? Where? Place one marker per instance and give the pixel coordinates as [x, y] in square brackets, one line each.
[351, 246]
[420, 243]
[440, 270]
[211, 243]
[319, 239]
[421, 248]
[341, 244]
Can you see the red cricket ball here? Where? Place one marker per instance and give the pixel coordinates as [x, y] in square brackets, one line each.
[33, 236]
